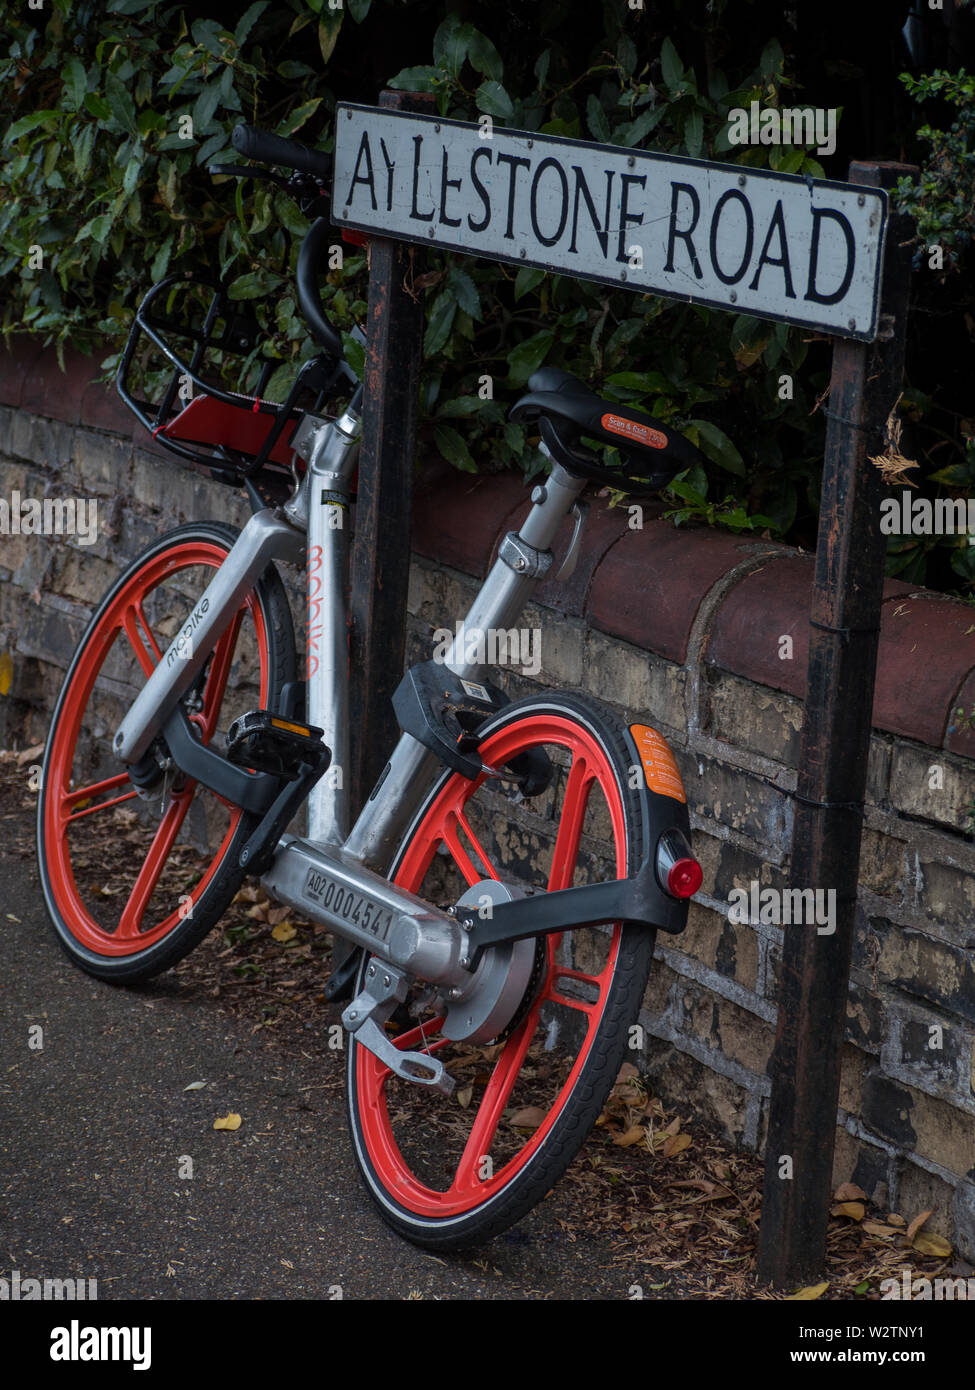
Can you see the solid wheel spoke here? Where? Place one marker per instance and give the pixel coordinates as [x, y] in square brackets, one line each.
[459, 854]
[223, 657]
[102, 806]
[493, 1102]
[574, 802]
[72, 798]
[133, 616]
[555, 997]
[162, 843]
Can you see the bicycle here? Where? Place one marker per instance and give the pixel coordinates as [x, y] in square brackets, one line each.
[490, 981]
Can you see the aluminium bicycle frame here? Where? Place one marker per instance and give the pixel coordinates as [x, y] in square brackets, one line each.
[337, 875]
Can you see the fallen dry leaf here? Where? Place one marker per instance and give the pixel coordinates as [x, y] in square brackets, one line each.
[675, 1144]
[916, 1225]
[464, 1096]
[195, 1086]
[877, 1228]
[634, 1135]
[807, 1294]
[284, 931]
[854, 1209]
[231, 1121]
[926, 1243]
[849, 1192]
[528, 1117]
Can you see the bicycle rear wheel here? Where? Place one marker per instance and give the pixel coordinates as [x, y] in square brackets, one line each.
[450, 1172]
[131, 886]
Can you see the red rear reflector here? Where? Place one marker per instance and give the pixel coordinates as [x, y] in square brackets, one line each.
[685, 878]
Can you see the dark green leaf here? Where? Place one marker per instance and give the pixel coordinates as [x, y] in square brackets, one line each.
[206, 104]
[528, 356]
[719, 447]
[28, 123]
[492, 98]
[355, 354]
[297, 118]
[694, 133]
[596, 120]
[484, 57]
[526, 280]
[670, 65]
[465, 292]
[75, 82]
[440, 323]
[120, 103]
[419, 79]
[247, 21]
[250, 286]
[453, 448]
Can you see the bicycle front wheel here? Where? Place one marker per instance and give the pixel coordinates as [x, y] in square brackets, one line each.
[450, 1172]
[133, 883]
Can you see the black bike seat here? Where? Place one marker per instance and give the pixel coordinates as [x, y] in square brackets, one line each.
[575, 411]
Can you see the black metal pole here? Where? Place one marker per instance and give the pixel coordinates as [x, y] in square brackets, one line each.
[380, 564]
[843, 637]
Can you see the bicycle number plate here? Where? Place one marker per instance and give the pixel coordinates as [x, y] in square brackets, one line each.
[347, 904]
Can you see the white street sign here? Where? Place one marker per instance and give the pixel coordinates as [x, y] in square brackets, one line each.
[778, 246]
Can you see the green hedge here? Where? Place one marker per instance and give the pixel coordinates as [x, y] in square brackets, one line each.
[102, 175]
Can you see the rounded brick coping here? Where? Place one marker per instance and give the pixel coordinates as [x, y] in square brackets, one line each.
[645, 586]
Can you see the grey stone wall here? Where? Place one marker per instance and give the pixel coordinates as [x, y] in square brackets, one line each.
[906, 1127]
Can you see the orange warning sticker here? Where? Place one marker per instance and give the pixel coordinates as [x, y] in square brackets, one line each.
[632, 429]
[658, 762]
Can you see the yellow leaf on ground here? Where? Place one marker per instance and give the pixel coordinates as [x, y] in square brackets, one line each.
[464, 1096]
[231, 1121]
[855, 1209]
[807, 1294]
[926, 1243]
[6, 672]
[849, 1192]
[284, 931]
[894, 1220]
[634, 1135]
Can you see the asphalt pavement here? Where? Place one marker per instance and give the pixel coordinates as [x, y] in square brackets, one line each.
[96, 1127]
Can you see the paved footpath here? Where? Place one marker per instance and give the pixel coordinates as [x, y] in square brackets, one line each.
[93, 1127]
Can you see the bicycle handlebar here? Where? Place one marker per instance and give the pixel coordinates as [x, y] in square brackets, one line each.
[265, 148]
[311, 255]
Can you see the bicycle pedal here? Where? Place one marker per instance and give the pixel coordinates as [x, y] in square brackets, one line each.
[282, 747]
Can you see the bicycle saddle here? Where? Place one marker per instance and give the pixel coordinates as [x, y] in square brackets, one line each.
[569, 411]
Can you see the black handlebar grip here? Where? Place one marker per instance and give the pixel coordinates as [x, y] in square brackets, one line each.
[265, 148]
[311, 257]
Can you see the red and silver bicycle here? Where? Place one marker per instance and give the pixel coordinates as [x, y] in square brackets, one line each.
[499, 892]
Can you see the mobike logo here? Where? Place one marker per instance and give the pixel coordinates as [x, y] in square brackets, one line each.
[314, 608]
[182, 645]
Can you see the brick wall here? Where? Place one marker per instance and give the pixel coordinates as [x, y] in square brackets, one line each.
[683, 629]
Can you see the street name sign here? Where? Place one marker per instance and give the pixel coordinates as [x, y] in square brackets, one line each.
[777, 246]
